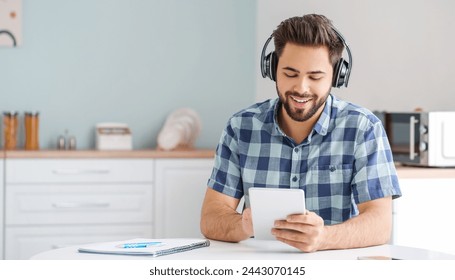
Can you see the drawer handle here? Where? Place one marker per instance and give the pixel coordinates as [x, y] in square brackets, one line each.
[80, 171]
[72, 205]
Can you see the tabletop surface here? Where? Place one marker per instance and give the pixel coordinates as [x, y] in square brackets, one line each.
[257, 250]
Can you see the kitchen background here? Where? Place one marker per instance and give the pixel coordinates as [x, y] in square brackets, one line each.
[89, 61]
[85, 62]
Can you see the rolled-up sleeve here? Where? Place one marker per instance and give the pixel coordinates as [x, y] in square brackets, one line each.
[375, 174]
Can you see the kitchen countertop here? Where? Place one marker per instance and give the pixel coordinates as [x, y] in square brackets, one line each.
[416, 172]
[62, 154]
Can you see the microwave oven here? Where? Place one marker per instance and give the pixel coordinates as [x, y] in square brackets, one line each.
[421, 138]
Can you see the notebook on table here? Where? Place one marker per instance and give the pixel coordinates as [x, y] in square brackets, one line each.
[145, 247]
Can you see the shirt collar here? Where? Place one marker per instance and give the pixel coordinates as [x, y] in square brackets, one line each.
[322, 125]
[276, 128]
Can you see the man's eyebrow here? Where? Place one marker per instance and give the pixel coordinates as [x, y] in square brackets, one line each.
[309, 72]
[291, 69]
[315, 72]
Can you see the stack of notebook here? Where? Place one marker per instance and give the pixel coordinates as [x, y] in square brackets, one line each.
[141, 246]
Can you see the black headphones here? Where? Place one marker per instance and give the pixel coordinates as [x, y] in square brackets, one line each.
[341, 70]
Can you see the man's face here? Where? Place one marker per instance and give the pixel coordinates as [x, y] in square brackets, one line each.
[304, 80]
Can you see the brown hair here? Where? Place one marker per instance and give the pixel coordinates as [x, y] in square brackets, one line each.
[310, 30]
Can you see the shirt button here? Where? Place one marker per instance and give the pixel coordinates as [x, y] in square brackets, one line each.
[296, 150]
[294, 179]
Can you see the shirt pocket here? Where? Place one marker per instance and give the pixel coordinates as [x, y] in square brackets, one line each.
[328, 186]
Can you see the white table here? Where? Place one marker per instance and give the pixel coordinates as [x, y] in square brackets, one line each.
[257, 250]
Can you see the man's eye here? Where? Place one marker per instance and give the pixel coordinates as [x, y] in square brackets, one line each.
[315, 78]
[290, 75]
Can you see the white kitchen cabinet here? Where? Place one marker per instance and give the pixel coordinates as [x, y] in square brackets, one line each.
[24, 242]
[2, 206]
[423, 216]
[59, 202]
[179, 191]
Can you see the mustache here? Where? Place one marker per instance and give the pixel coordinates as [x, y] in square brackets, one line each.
[297, 94]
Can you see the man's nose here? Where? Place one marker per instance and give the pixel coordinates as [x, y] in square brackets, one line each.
[302, 85]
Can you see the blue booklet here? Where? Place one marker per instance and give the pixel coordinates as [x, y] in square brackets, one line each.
[144, 246]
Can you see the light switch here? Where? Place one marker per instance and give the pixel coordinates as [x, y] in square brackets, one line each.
[10, 23]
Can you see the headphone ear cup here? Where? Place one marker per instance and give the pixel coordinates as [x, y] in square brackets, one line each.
[340, 72]
[270, 63]
[273, 65]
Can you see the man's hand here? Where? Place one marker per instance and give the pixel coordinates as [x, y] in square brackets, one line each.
[247, 222]
[306, 232]
[220, 219]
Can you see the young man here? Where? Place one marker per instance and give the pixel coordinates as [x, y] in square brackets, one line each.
[306, 138]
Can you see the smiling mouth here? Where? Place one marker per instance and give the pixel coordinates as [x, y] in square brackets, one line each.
[300, 100]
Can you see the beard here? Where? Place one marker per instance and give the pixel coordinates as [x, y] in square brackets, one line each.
[297, 114]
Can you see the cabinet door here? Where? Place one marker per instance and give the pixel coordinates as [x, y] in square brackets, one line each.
[25, 242]
[1, 207]
[88, 203]
[58, 202]
[78, 191]
[424, 214]
[51, 171]
[179, 192]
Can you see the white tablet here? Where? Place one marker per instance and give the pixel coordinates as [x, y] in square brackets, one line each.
[270, 204]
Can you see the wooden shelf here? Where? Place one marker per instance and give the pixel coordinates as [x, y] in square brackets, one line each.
[187, 153]
[411, 172]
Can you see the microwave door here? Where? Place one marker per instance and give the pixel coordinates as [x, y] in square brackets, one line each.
[402, 131]
[412, 137]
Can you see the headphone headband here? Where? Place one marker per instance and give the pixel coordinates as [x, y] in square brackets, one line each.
[348, 50]
[341, 70]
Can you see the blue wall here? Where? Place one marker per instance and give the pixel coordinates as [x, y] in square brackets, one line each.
[89, 61]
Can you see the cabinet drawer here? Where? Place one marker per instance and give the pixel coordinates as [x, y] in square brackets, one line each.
[24, 242]
[78, 170]
[58, 204]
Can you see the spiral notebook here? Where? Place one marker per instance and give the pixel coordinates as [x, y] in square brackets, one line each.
[145, 247]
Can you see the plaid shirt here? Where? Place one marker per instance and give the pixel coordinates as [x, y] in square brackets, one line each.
[345, 160]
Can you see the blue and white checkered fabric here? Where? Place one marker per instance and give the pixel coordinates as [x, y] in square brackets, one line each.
[345, 160]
